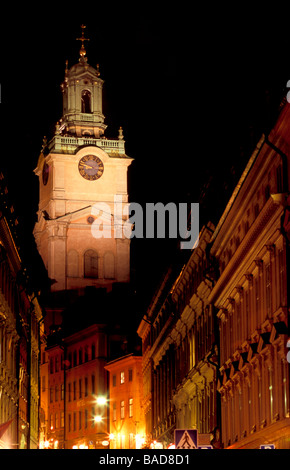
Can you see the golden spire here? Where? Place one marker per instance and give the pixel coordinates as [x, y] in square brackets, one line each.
[83, 39]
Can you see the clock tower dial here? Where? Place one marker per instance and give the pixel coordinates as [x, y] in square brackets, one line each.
[91, 167]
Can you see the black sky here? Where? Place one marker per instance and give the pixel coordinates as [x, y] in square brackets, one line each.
[192, 87]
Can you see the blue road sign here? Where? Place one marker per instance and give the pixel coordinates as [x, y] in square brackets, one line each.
[185, 438]
[267, 446]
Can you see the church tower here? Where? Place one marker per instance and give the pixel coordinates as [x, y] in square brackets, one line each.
[81, 176]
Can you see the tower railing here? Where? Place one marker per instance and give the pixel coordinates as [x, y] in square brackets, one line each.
[69, 144]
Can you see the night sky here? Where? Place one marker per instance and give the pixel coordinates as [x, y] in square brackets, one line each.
[192, 87]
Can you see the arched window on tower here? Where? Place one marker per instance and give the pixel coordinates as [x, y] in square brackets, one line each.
[86, 101]
[91, 264]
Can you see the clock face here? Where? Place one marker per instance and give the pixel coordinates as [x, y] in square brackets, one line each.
[45, 173]
[91, 167]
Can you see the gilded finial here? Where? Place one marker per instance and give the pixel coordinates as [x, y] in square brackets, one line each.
[83, 39]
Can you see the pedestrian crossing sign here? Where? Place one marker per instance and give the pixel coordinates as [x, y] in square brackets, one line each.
[185, 438]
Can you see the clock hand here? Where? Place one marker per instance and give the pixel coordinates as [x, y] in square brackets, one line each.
[87, 166]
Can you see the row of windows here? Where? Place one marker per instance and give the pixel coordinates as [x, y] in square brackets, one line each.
[273, 185]
[81, 355]
[122, 376]
[7, 282]
[57, 420]
[75, 358]
[80, 388]
[75, 390]
[263, 295]
[80, 419]
[122, 409]
[259, 400]
[55, 393]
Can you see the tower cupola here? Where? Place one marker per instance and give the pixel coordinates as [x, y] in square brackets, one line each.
[82, 98]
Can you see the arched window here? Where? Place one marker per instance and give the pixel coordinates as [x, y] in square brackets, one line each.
[109, 266]
[91, 263]
[86, 101]
[72, 263]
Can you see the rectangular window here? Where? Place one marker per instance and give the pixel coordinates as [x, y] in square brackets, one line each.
[75, 390]
[80, 420]
[80, 388]
[62, 391]
[56, 364]
[86, 386]
[122, 377]
[86, 419]
[56, 420]
[51, 395]
[93, 416]
[69, 422]
[51, 365]
[75, 422]
[51, 421]
[130, 375]
[93, 384]
[122, 409]
[115, 411]
[56, 393]
[69, 392]
[62, 419]
[43, 383]
[130, 407]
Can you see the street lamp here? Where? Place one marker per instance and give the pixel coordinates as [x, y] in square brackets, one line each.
[98, 419]
[101, 400]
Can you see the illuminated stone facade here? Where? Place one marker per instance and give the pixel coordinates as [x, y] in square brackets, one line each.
[78, 169]
[251, 296]
[127, 424]
[180, 351]
[20, 332]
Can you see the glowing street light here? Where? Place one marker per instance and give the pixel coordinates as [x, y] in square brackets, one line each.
[98, 419]
[101, 400]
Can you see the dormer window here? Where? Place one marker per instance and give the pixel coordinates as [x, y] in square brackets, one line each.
[86, 101]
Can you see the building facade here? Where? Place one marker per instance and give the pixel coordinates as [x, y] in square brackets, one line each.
[251, 244]
[127, 423]
[180, 351]
[86, 389]
[20, 331]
